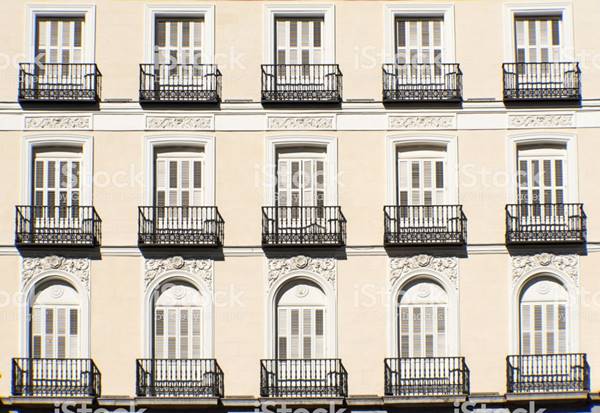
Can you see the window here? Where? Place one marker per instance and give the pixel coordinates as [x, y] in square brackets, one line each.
[541, 174]
[420, 175]
[300, 322]
[55, 318]
[59, 40]
[419, 39]
[301, 177]
[179, 177]
[298, 40]
[177, 322]
[538, 38]
[543, 318]
[179, 40]
[422, 320]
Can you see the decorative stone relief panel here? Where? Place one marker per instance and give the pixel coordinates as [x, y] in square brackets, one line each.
[566, 264]
[280, 267]
[78, 267]
[201, 269]
[422, 122]
[541, 121]
[179, 122]
[445, 266]
[58, 122]
[301, 122]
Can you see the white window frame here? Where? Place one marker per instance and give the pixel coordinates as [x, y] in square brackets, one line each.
[451, 171]
[563, 9]
[446, 11]
[207, 12]
[327, 11]
[273, 144]
[31, 143]
[88, 12]
[570, 142]
[207, 143]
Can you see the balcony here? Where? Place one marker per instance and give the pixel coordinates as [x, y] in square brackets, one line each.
[426, 377]
[57, 226]
[560, 81]
[301, 83]
[319, 226]
[422, 83]
[179, 378]
[303, 378]
[545, 223]
[179, 83]
[547, 373]
[432, 225]
[185, 226]
[59, 82]
[55, 378]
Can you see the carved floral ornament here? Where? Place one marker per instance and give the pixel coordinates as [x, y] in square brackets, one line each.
[280, 267]
[541, 121]
[297, 122]
[179, 122]
[565, 264]
[200, 269]
[422, 122]
[58, 122]
[77, 267]
[444, 266]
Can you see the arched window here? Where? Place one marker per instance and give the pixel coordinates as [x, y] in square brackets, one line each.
[422, 320]
[300, 321]
[543, 317]
[55, 321]
[177, 328]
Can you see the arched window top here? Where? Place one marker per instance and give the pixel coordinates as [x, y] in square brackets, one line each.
[55, 292]
[423, 292]
[301, 293]
[422, 150]
[544, 289]
[178, 294]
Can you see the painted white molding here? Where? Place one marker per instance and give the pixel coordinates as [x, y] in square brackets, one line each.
[397, 9]
[85, 143]
[58, 122]
[197, 272]
[563, 120]
[208, 145]
[564, 9]
[88, 12]
[201, 269]
[569, 140]
[205, 11]
[180, 122]
[448, 141]
[327, 11]
[422, 122]
[273, 143]
[74, 271]
[280, 267]
[565, 270]
[322, 272]
[300, 122]
[442, 270]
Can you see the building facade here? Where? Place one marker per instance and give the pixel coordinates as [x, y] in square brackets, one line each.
[234, 205]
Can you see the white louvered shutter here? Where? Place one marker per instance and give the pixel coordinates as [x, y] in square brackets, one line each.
[178, 41]
[59, 40]
[298, 40]
[538, 38]
[420, 41]
[177, 333]
[300, 333]
[55, 331]
[300, 182]
[56, 182]
[421, 182]
[422, 330]
[543, 328]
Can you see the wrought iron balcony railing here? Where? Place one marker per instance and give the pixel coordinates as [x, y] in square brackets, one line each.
[545, 223]
[59, 82]
[424, 225]
[426, 376]
[422, 82]
[303, 378]
[301, 83]
[179, 378]
[303, 226]
[78, 226]
[176, 226]
[542, 81]
[55, 377]
[180, 83]
[547, 373]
